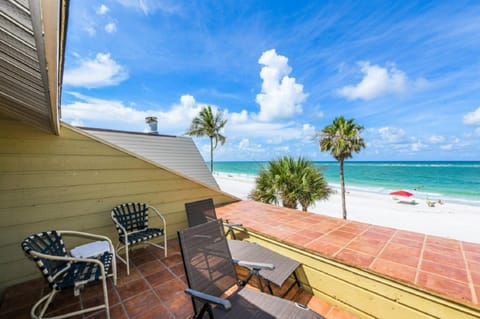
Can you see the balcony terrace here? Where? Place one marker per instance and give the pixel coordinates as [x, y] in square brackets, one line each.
[154, 289]
[354, 270]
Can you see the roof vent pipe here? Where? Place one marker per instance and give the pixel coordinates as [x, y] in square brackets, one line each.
[153, 124]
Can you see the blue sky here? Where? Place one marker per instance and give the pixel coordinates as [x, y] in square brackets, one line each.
[281, 71]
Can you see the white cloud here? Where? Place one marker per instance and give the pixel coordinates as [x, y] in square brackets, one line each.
[309, 133]
[417, 146]
[111, 27]
[377, 81]
[90, 29]
[447, 147]
[472, 118]
[244, 144]
[151, 6]
[102, 9]
[281, 97]
[116, 114]
[237, 118]
[435, 139]
[98, 72]
[391, 134]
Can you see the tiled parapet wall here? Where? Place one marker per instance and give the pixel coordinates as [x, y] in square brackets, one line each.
[372, 271]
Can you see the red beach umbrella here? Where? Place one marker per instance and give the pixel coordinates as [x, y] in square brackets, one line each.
[401, 193]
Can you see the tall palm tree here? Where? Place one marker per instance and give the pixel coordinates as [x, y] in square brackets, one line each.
[341, 139]
[208, 123]
[290, 182]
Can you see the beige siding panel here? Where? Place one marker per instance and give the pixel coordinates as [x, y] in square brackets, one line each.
[178, 153]
[72, 182]
[78, 177]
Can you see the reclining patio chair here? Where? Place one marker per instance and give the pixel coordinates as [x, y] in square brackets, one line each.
[203, 211]
[212, 282]
[131, 221]
[62, 271]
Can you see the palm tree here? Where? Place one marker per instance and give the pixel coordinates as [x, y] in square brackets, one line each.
[341, 139]
[312, 185]
[209, 124]
[290, 181]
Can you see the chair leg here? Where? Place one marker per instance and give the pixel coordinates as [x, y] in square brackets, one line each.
[105, 296]
[127, 259]
[46, 300]
[117, 255]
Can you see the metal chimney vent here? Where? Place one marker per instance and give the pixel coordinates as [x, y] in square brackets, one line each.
[153, 124]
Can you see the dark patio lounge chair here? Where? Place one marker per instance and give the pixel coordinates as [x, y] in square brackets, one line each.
[212, 280]
[203, 211]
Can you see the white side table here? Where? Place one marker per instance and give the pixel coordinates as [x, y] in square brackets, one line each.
[92, 249]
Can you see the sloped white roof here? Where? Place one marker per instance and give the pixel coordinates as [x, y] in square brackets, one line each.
[177, 153]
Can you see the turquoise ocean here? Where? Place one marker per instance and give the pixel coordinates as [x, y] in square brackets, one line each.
[453, 181]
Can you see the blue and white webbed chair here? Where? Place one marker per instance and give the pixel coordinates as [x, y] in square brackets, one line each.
[131, 221]
[63, 271]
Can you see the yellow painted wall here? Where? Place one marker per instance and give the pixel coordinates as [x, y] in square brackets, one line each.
[365, 294]
[72, 182]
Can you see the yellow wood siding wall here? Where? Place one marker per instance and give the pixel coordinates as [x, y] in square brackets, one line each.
[72, 182]
[365, 294]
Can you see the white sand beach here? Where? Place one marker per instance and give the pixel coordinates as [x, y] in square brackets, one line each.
[451, 220]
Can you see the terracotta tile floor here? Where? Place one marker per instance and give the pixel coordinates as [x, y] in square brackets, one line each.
[447, 267]
[154, 289]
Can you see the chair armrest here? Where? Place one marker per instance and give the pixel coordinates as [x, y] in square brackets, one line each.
[209, 298]
[232, 225]
[161, 217]
[119, 225]
[253, 264]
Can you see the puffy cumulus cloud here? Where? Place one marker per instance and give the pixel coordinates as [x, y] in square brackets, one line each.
[309, 133]
[391, 134]
[238, 118]
[281, 97]
[85, 109]
[102, 9]
[100, 71]
[436, 139]
[152, 6]
[116, 114]
[454, 144]
[270, 133]
[472, 118]
[111, 27]
[378, 81]
[417, 146]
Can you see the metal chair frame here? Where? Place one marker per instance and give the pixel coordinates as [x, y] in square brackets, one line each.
[122, 231]
[203, 211]
[211, 280]
[77, 285]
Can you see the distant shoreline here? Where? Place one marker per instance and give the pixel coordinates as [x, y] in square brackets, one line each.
[450, 219]
[456, 181]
